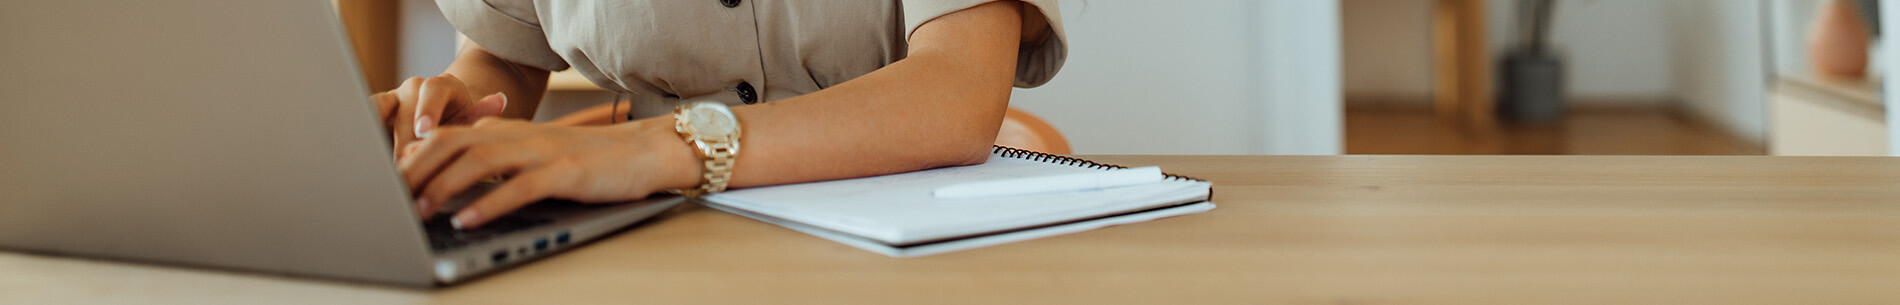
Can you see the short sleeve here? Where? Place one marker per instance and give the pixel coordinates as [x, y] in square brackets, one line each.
[1036, 61]
[509, 29]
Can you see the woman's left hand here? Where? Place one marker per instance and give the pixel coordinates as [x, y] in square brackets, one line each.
[586, 164]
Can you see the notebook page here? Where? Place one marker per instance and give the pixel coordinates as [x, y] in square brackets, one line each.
[900, 208]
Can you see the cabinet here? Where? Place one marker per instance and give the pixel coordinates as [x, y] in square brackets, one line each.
[1826, 118]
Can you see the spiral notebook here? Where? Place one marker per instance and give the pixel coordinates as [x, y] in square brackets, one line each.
[896, 215]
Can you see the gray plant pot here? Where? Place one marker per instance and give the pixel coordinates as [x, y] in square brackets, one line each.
[1531, 87]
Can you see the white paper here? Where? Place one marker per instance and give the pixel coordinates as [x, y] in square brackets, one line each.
[978, 241]
[899, 209]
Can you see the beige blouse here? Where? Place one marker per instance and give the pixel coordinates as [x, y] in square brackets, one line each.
[734, 51]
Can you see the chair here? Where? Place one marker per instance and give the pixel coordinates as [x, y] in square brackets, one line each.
[1026, 131]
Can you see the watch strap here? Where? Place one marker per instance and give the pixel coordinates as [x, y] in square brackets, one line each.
[718, 158]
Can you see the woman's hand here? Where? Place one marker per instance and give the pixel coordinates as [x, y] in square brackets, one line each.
[586, 164]
[415, 109]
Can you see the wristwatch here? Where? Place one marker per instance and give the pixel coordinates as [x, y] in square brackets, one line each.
[713, 132]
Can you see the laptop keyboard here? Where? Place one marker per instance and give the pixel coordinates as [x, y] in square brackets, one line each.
[442, 236]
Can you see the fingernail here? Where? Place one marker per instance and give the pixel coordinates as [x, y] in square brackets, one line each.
[504, 99]
[466, 216]
[424, 125]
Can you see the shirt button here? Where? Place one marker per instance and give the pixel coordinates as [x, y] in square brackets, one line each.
[746, 94]
[729, 3]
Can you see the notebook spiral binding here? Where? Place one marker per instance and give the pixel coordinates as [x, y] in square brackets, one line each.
[1018, 153]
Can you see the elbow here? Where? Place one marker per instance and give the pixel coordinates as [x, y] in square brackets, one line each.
[977, 135]
[970, 153]
[943, 152]
[963, 141]
[972, 145]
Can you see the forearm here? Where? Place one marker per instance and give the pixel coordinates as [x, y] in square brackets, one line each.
[594, 116]
[486, 74]
[940, 106]
[910, 116]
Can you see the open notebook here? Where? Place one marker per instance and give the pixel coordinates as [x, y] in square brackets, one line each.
[896, 214]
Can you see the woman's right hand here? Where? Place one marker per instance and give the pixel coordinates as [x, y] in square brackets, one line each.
[412, 111]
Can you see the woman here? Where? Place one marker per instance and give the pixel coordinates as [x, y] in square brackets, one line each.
[818, 90]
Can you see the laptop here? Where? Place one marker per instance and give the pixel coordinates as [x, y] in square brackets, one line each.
[229, 134]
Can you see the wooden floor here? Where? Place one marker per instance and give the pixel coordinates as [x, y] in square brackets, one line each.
[1618, 131]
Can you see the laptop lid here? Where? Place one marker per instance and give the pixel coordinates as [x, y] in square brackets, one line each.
[220, 133]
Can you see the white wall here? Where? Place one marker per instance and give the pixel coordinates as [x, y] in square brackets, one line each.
[1720, 59]
[1298, 108]
[1617, 51]
[1890, 11]
[1790, 40]
[1196, 77]
[427, 40]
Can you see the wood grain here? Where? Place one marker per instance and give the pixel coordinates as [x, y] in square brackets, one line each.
[1289, 230]
[1583, 131]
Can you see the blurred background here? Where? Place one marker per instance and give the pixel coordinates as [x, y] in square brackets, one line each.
[1635, 77]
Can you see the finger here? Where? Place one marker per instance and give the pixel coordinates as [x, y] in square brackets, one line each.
[434, 154]
[405, 115]
[524, 189]
[492, 122]
[488, 106]
[446, 145]
[473, 166]
[438, 95]
[385, 103]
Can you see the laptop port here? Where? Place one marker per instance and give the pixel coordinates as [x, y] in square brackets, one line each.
[561, 239]
[499, 257]
[540, 244]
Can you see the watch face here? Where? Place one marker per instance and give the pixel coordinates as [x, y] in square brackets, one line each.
[711, 121]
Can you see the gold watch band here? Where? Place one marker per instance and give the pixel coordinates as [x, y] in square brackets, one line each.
[718, 159]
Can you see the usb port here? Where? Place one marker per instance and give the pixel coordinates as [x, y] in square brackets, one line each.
[561, 239]
[499, 257]
[540, 244]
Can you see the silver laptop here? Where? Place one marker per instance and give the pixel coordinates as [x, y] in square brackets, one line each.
[230, 134]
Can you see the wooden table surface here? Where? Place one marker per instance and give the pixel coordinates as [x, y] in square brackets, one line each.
[1289, 230]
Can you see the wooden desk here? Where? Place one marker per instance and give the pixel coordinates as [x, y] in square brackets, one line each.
[1290, 230]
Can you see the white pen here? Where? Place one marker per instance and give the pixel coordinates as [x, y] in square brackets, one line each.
[1051, 184]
